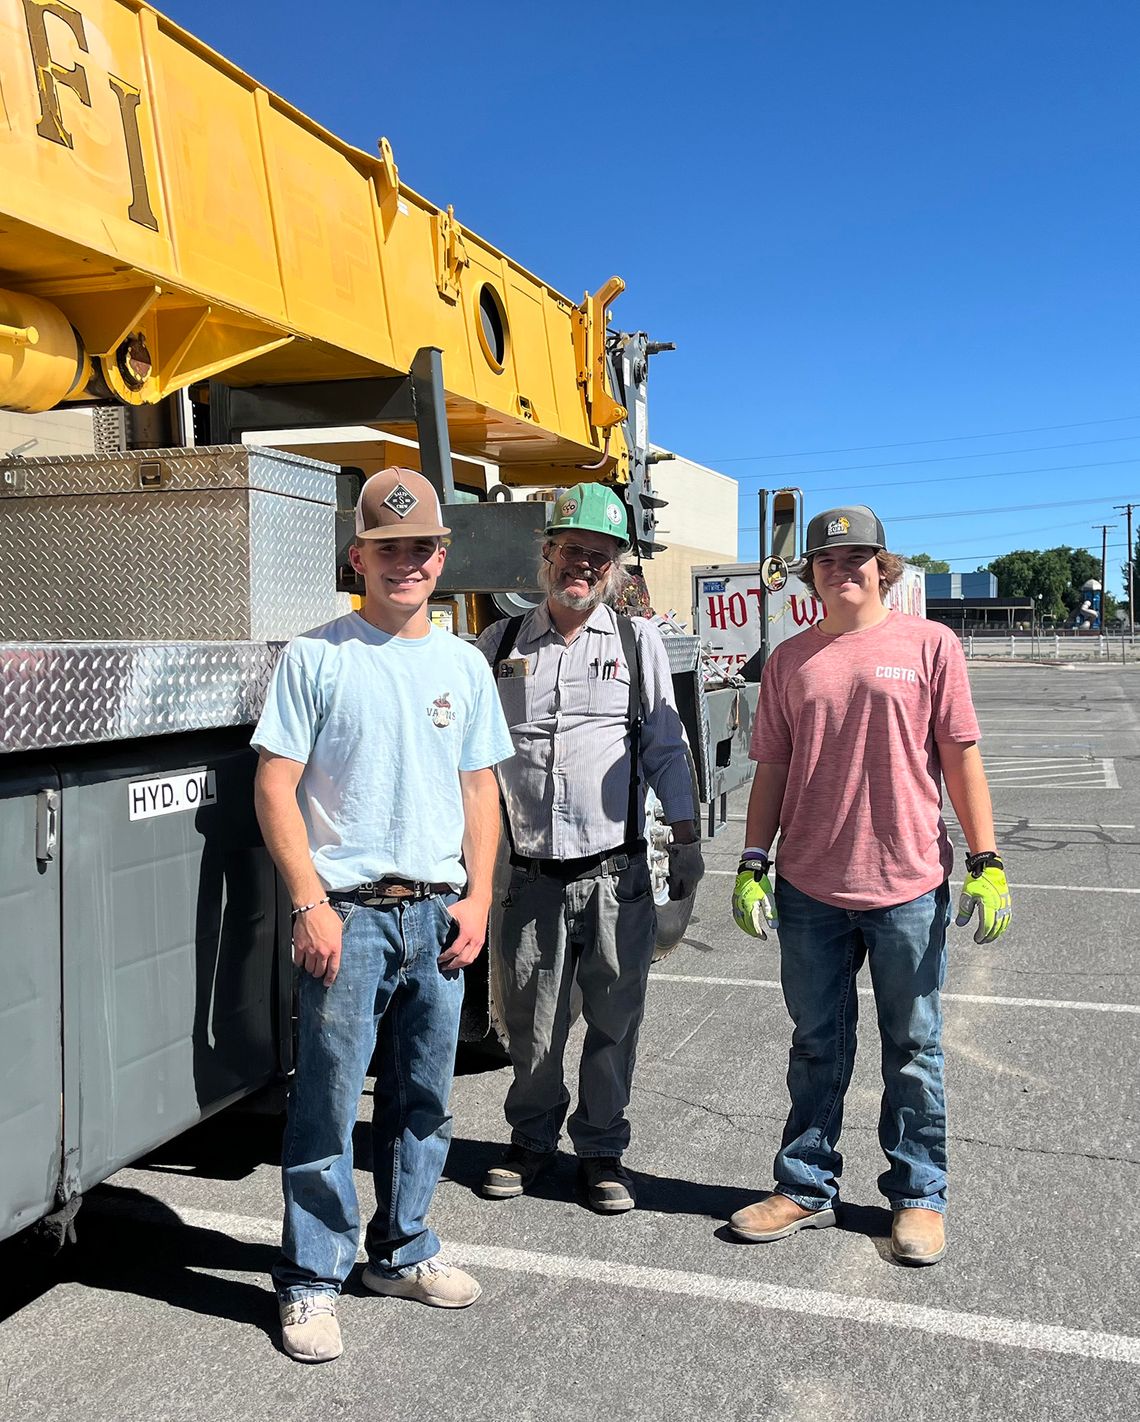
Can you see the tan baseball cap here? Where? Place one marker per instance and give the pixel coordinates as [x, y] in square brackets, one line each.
[399, 503]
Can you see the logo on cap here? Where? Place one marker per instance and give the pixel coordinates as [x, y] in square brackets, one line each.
[401, 501]
[838, 525]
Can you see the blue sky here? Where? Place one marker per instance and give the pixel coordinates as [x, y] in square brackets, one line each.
[895, 243]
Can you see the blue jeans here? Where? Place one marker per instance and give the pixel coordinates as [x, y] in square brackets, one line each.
[389, 994]
[821, 951]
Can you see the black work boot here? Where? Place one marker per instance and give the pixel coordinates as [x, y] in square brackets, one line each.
[517, 1173]
[606, 1184]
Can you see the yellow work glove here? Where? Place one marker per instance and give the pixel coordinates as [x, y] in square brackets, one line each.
[753, 899]
[986, 891]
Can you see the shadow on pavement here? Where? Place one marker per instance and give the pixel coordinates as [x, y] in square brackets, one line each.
[469, 1160]
[873, 1221]
[129, 1242]
[228, 1146]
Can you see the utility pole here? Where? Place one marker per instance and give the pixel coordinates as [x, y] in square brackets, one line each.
[1104, 528]
[1127, 509]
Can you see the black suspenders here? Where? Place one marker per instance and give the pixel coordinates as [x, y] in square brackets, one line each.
[633, 661]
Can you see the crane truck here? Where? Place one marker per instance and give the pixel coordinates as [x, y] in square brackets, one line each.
[202, 264]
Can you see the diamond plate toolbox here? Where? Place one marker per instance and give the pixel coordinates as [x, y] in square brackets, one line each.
[60, 694]
[220, 543]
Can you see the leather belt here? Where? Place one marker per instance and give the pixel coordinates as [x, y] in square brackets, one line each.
[612, 861]
[384, 892]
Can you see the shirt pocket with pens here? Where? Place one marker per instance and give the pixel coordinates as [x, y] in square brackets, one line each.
[608, 683]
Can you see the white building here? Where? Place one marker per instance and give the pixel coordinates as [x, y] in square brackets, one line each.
[61, 431]
[698, 525]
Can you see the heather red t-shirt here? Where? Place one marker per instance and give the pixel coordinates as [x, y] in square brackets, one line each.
[856, 718]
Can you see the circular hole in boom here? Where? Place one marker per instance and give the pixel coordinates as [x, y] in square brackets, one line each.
[493, 331]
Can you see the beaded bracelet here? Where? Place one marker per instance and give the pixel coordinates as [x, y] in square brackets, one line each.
[304, 908]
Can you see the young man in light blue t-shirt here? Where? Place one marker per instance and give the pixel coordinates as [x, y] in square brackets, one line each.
[377, 800]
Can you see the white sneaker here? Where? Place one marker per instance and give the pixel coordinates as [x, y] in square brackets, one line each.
[434, 1282]
[310, 1332]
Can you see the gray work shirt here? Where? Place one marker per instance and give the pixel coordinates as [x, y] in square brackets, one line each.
[566, 788]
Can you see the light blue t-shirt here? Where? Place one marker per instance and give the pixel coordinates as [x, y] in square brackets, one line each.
[383, 726]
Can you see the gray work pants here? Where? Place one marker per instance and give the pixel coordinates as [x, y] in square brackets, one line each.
[543, 931]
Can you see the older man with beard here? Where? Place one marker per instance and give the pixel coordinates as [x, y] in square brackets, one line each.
[589, 701]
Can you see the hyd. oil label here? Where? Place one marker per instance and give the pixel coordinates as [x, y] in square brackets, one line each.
[167, 794]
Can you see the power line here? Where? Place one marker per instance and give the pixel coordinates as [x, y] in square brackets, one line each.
[959, 478]
[989, 557]
[1040, 528]
[959, 513]
[1007, 508]
[916, 443]
[947, 458]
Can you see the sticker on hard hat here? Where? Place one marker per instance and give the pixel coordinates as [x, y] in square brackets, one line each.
[838, 526]
[614, 513]
[568, 509]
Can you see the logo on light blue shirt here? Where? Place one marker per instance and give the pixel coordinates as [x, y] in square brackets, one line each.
[441, 711]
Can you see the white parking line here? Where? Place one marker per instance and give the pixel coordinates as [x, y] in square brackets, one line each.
[1129, 1008]
[1047, 719]
[742, 1293]
[1062, 775]
[1035, 762]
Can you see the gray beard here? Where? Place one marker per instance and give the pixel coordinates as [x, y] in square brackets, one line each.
[593, 598]
[552, 587]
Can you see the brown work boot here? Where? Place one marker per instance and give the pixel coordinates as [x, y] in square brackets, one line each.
[776, 1218]
[918, 1236]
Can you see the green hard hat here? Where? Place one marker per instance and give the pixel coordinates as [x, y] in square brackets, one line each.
[592, 506]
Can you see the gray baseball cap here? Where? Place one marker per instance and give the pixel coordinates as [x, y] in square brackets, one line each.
[852, 527]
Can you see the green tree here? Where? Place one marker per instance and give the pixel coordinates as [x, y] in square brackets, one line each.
[1053, 577]
[927, 563]
[1028, 572]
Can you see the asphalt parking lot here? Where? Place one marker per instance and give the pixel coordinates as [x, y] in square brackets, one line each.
[163, 1309]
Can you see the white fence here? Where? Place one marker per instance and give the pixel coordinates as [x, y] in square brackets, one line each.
[1053, 646]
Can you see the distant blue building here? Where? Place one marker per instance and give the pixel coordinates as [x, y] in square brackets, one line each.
[971, 585]
[968, 602]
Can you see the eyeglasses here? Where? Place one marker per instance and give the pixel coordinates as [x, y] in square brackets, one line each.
[575, 553]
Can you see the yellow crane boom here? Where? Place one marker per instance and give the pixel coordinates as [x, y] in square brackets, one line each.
[165, 220]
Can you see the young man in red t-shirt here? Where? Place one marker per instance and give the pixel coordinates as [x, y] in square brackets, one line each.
[861, 718]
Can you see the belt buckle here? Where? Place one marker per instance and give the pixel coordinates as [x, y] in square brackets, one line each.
[371, 895]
